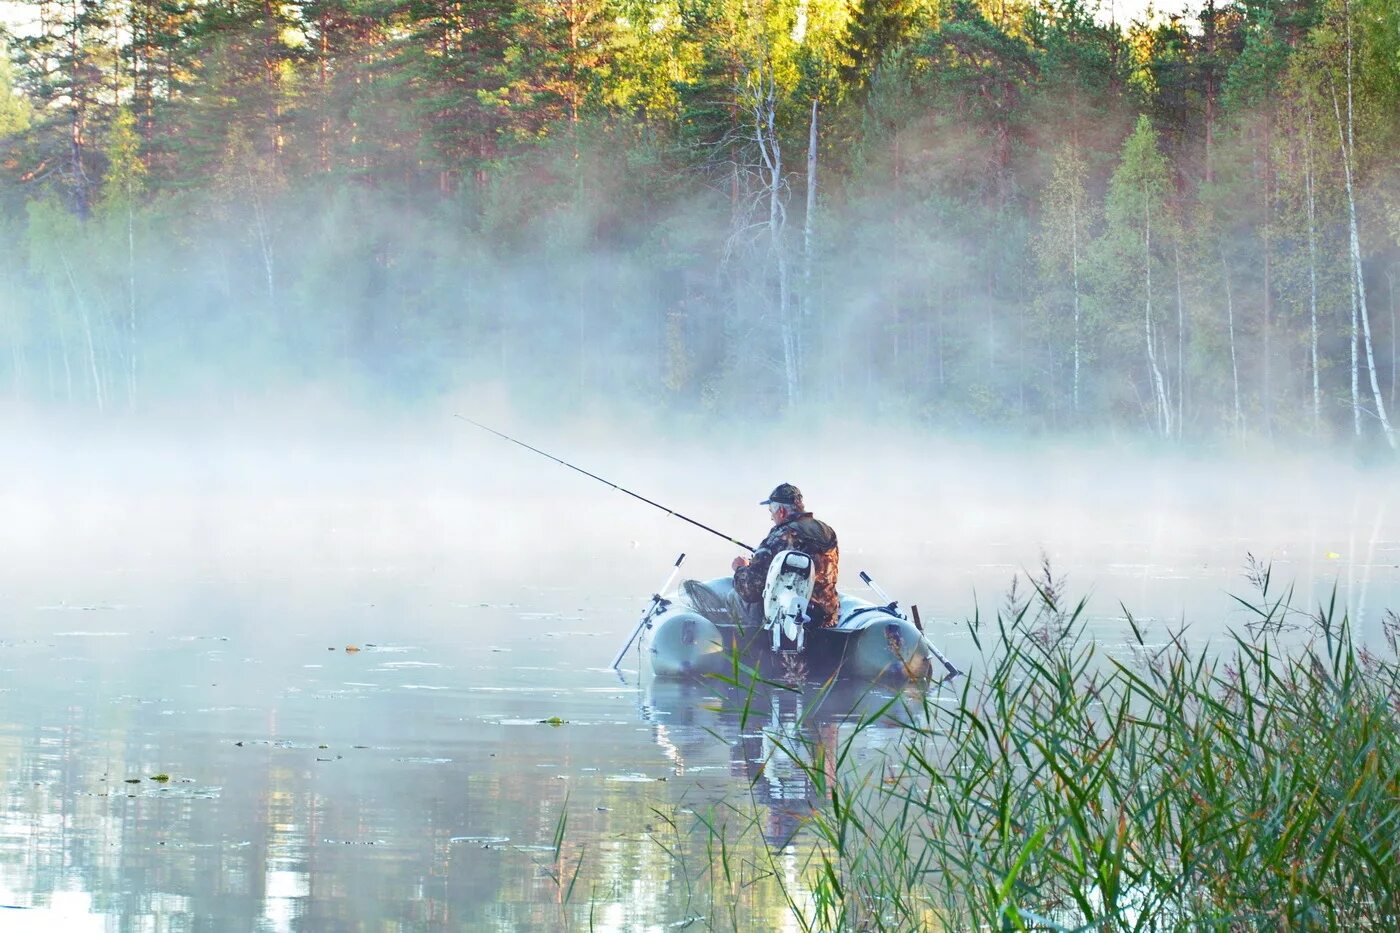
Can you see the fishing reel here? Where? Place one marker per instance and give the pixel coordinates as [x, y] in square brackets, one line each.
[786, 594]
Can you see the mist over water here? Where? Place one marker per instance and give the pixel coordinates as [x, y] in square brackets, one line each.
[944, 523]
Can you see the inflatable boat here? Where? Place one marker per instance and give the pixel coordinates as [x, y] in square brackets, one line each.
[704, 627]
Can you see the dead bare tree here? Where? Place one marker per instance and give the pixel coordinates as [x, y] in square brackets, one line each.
[808, 235]
[760, 216]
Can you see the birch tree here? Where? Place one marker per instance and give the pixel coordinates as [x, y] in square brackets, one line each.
[1308, 205]
[123, 185]
[1238, 412]
[1346, 138]
[58, 251]
[1061, 244]
[1252, 92]
[1139, 227]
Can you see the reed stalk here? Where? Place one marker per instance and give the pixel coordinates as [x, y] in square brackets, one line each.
[1068, 784]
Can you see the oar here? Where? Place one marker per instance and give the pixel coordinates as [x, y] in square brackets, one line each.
[948, 665]
[657, 604]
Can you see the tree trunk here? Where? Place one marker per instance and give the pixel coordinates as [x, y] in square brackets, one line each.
[809, 236]
[271, 70]
[1358, 278]
[131, 364]
[1074, 271]
[1268, 390]
[67, 362]
[1180, 344]
[264, 238]
[93, 367]
[323, 127]
[771, 154]
[1267, 235]
[1394, 342]
[1159, 389]
[1312, 276]
[1234, 357]
[1208, 16]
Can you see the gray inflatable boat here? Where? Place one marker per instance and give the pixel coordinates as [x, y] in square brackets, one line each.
[705, 626]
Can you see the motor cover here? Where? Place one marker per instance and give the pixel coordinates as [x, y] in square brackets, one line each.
[785, 596]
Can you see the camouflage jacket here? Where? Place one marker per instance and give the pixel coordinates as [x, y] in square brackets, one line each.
[813, 538]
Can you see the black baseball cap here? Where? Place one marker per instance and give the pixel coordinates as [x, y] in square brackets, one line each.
[783, 494]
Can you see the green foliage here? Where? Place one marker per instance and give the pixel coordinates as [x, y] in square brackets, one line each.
[1136, 213]
[14, 110]
[877, 28]
[405, 196]
[1253, 76]
[125, 178]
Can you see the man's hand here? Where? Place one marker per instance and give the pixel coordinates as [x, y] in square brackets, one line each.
[739, 562]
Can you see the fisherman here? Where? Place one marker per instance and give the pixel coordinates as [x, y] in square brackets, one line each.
[795, 529]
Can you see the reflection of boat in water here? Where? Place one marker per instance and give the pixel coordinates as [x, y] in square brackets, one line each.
[706, 626]
[706, 724]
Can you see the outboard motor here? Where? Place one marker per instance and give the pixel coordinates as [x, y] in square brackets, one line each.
[785, 598]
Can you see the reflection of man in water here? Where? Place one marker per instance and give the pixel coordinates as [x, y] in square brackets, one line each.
[794, 529]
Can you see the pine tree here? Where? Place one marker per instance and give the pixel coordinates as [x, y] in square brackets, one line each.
[453, 58]
[66, 69]
[876, 28]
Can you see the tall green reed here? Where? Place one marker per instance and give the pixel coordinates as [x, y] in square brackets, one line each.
[1070, 785]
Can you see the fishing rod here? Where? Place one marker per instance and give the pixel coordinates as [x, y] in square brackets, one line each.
[629, 492]
[658, 604]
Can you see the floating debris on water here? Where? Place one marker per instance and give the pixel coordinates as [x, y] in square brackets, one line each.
[425, 761]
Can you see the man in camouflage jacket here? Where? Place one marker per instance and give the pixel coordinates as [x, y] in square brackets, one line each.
[795, 529]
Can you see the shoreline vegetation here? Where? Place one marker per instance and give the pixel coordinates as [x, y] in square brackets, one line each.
[970, 215]
[1069, 785]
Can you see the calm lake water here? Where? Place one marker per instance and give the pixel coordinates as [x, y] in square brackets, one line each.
[379, 688]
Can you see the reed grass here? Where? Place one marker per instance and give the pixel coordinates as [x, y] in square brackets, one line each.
[1253, 784]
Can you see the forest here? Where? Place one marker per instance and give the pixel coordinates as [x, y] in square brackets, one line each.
[968, 215]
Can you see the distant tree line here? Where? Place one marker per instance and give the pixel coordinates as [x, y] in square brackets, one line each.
[963, 212]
